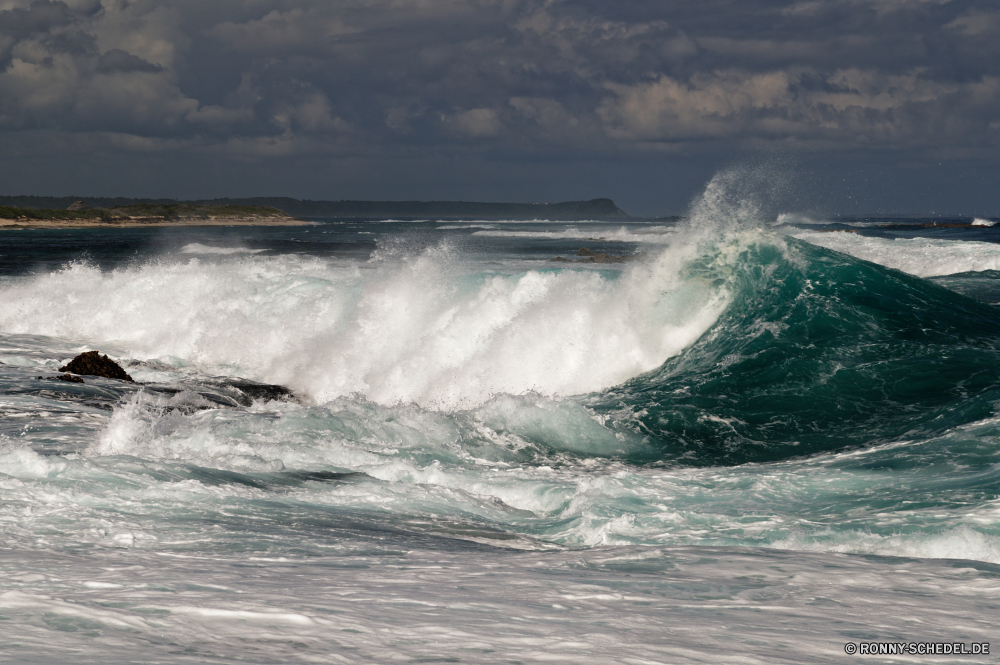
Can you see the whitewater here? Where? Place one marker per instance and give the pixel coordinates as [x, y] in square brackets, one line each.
[761, 438]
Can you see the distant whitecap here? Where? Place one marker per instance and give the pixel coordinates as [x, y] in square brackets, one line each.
[198, 248]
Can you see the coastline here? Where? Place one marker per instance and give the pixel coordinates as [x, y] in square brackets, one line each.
[7, 224]
[594, 209]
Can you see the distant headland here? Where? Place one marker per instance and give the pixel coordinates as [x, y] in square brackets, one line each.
[261, 209]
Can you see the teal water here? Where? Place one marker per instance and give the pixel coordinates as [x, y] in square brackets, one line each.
[819, 352]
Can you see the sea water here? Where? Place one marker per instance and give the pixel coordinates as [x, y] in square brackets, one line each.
[761, 439]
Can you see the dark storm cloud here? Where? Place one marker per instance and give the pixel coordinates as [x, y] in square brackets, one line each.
[517, 80]
[39, 16]
[117, 60]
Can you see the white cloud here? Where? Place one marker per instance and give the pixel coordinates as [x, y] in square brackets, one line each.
[807, 8]
[547, 112]
[852, 104]
[311, 115]
[476, 123]
[220, 116]
[977, 23]
[896, 5]
[143, 99]
[150, 30]
[39, 85]
[707, 106]
[813, 7]
[296, 29]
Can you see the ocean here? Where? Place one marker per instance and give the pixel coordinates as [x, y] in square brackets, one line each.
[763, 438]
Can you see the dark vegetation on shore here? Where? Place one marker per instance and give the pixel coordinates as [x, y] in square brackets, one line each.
[596, 209]
[152, 211]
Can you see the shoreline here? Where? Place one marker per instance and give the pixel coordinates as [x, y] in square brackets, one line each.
[594, 209]
[7, 224]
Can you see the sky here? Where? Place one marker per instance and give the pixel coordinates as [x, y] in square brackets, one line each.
[856, 106]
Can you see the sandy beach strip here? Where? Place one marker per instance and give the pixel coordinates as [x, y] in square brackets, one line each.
[133, 222]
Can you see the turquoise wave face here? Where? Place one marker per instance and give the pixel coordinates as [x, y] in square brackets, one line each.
[817, 352]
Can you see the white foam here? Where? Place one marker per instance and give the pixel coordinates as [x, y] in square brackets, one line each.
[961, 542]
[493, 223]
[453, 227]
[19, 461]
[924, 257]
[198, 248]
[415, 329]
[22, 361]
[392, 221]
[651, 234]
[795, 219]
[150, 426]
[128, 428]
[560, 424]
[978, 221]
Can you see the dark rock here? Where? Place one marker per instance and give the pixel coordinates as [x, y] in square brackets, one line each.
[150, 364]
[262, 391]
[326, 476]
[78, 205]
[93, 363]
[598, 257]
[64, 377]
[590, 256]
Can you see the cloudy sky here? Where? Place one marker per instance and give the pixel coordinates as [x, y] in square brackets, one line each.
[878, 106]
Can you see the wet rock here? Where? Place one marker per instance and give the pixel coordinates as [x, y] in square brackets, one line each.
[93, 363]
[150, 364]
[326, 476]
[598, 257]
[590, 256]
[63, 377]
[262, 391]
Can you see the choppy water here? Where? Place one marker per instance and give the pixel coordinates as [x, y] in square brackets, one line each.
[760, 440]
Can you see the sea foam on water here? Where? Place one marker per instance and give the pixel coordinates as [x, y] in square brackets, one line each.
[924, 257]
[412, 328]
